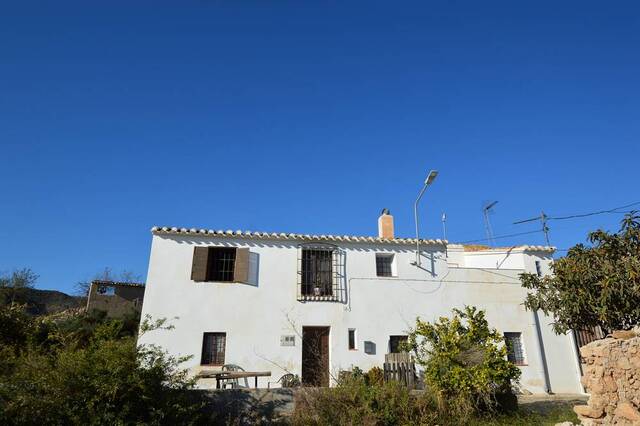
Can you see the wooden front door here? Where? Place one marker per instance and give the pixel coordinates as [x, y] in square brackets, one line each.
[315, 356]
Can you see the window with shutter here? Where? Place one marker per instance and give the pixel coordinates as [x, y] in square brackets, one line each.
[220, 264]
[213, 348]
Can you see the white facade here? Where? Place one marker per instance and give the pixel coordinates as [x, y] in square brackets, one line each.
[255, 315]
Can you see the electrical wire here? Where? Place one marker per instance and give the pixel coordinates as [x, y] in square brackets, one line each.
[614, 210]
[502, 236]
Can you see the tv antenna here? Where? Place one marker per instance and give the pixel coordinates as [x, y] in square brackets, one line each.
[543, 220]
[487, 223]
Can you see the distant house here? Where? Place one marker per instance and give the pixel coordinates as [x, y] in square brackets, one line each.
[117, 299]
[317, 304]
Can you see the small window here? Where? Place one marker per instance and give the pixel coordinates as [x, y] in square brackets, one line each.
[384, 265]
[107, 290]
[222, 261]
[288, 340]
[515, 349]
[369, 347]
[213, 348]
[352, 339]
[538, 268]
[395, 343]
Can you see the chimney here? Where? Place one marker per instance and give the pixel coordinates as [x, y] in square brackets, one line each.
[385, 225]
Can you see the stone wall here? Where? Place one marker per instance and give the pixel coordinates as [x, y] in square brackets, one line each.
[612, 377]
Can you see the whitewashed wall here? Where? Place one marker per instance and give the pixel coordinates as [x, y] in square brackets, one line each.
[255, 316]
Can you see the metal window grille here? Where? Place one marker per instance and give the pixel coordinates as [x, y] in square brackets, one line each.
[320, 273]
[384, 264]
[352, 338]
[515, 349]
[213, 348]
[222, 261]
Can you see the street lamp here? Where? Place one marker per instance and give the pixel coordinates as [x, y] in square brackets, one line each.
[428, 181]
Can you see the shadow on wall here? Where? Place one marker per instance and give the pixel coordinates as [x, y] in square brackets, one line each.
[246, 406]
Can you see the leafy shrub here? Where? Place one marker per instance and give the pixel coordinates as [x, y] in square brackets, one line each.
[464, 361]
[374, 376]
[353, 402]
[52, 374]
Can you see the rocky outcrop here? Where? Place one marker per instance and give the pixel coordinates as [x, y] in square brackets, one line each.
[612, 377]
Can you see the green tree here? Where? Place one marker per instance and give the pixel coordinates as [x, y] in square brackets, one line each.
[465, 361]
[593, 286]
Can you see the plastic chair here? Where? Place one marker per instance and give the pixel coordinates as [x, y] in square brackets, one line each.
[233, 382]
[287, 381]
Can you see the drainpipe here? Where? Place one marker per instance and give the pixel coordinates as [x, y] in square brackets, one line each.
[576, 355]
[543, 359]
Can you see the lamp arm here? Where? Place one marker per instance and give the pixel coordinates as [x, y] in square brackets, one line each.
[415, 216]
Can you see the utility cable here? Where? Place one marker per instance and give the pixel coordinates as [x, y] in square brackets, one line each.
[614, 210]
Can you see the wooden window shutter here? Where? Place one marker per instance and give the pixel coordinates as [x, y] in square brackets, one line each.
[241, 267]
[200, 263]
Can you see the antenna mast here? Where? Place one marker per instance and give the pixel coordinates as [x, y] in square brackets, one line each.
[543, 220]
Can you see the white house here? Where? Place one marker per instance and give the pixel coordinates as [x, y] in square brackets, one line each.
[317, 304]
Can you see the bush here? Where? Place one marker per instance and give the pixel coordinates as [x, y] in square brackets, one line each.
[353, 402]
[375, 376]
[464, 361]
[51, 374]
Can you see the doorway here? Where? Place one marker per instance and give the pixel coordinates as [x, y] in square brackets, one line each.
[315, 356]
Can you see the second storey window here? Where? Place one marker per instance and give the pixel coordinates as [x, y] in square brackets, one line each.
[317, 272]
[321, 275]
[384, 265]
[220, 264]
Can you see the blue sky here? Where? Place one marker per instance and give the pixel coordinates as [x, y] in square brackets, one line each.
[307, 117]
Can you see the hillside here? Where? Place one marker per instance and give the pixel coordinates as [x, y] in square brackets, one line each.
[41, 302]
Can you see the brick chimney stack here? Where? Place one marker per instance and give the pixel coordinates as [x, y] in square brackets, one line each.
[385, 225]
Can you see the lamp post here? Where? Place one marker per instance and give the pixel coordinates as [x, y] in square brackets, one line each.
[428, 181]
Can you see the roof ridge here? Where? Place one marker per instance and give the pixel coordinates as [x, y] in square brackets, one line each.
[288, 236]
